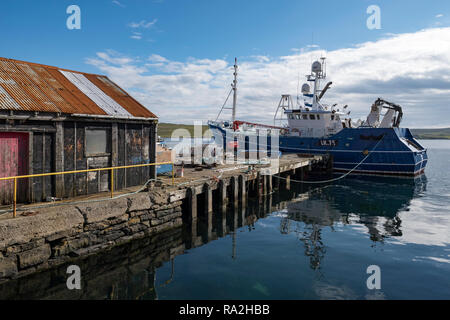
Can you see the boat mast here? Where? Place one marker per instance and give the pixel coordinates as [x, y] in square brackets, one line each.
[234, 85]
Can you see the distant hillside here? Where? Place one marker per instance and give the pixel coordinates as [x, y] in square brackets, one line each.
[431, 133]
[165, 129]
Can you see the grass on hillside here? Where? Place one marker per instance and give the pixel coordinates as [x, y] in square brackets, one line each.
[431, 133]
[165, 130]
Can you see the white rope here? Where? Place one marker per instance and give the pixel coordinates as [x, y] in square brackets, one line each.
[54, 204]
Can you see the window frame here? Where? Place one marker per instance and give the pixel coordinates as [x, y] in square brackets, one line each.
[108, 142]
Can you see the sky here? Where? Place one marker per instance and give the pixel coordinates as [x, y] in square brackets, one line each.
[176, 56]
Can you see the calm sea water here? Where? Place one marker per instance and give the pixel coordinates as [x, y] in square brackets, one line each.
[306, 243]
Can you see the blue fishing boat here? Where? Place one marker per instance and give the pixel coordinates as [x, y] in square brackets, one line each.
[376, 145]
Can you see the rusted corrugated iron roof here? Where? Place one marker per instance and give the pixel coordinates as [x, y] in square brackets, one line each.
[36, 87]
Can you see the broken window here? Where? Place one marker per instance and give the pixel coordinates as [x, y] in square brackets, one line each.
[96, 142]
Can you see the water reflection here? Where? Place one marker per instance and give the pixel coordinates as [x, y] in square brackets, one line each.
[373, 202]
[130, 271]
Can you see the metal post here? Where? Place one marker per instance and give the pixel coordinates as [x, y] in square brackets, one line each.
[112, 183]
[15, 197]
[173, 174]
[233, 116]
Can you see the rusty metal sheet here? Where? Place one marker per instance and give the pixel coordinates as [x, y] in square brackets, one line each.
[95, 94]
[33, 92]
[81, 103]
[35, 87]
[7, 102]
[120, 96]
[50, 93]
[12, 88]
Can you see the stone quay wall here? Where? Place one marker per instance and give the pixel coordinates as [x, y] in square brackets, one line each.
[52, 236]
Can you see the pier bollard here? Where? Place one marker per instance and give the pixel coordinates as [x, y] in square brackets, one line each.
[222, 227]
[234, 218]
[208, 198]
[234, 191]
[258, 184]
[264, 184]
[287, 182]
[190, 243]
[269, 184]
[192, 203]
[241, 220]
[277, 181]
[269, 204]
[242, 189]
[223, 195]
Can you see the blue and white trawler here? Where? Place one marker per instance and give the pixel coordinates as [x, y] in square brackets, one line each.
[377, 145]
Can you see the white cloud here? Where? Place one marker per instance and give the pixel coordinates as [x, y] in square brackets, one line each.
[118, 3]
[439, 15]
[143, 24]
[136, 36]
[409, 69]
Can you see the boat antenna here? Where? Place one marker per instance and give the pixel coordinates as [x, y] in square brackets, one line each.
[298, 78]
[234, 85]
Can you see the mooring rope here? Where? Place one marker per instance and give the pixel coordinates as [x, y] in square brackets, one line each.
[338, 178]
[55, 204]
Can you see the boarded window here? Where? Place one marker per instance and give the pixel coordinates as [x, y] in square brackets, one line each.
[96, 141]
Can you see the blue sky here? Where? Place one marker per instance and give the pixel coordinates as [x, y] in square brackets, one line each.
[186, 33]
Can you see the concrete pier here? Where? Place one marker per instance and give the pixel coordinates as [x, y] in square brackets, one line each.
[43, 238]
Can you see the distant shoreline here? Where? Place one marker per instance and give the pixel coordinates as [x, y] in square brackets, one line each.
[165, 131]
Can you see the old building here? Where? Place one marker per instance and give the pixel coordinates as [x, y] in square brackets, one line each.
[53, 120]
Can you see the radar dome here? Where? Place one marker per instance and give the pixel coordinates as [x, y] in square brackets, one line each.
[306, 88]
[316, 67]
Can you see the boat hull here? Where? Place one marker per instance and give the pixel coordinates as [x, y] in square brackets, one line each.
[381, 151]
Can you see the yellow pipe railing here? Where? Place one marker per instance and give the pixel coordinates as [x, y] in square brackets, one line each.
[82, 171]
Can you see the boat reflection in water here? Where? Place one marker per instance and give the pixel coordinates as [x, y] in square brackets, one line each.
[374, 203]
[130, 271]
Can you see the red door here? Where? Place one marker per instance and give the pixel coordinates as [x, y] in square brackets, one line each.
[13, 162]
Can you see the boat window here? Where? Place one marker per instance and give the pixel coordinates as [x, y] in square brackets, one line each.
[312, 117]
[291, 116]
[304, 117]
[318, 117]
[332, 117]
[297, 116]
[337, 117]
